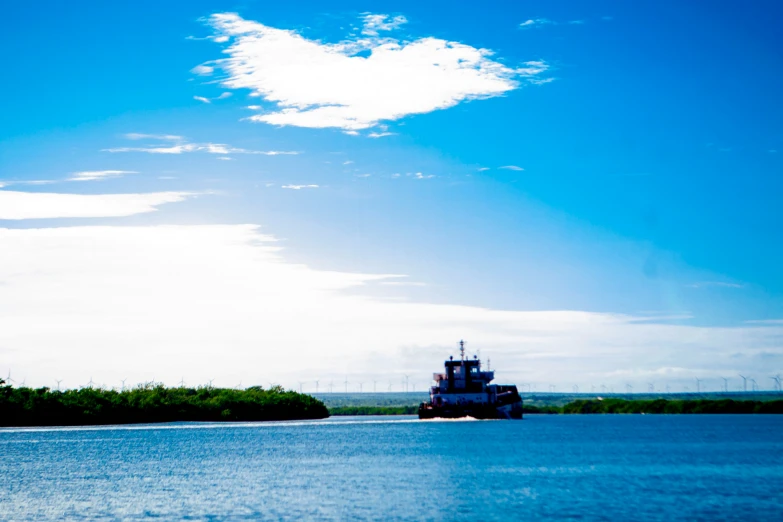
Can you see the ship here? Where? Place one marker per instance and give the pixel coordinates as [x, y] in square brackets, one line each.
[464, 390]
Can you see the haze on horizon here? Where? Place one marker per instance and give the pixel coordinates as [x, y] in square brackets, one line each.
[587, 193]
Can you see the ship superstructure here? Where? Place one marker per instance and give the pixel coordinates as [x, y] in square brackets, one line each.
[464, 390]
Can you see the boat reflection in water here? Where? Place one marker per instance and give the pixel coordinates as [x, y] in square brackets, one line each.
[464, 391]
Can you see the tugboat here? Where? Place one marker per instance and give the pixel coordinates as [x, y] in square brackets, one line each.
[464, 391]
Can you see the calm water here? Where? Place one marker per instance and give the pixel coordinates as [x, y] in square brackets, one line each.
[545, 467]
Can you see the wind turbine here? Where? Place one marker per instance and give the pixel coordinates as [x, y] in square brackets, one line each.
[651, 387]
[300, 386]
[123, 383]
[182, 382]
[22, 384]
[346, 384]
[58, 381]
[628, 388]
[754, 387]
[776, 378]
[374, 386]
[390, 385]
[331, 386]
[744, 382]
[90, 384]
[238, 386]
[9, 379]
[316, 386]
[360, 387]
[406, 383]
[210, 383]
[698, 385]
[576, 388]
[725, 384]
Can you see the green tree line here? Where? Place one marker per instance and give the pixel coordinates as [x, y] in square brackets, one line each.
[152, 403]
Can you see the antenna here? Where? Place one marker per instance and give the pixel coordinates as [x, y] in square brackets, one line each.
[744, 382]
[488, 364]
[461, 351]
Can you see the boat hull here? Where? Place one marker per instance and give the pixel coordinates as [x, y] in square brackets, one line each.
[476, 411]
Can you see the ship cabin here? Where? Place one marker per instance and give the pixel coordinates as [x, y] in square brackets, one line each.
[463, 376]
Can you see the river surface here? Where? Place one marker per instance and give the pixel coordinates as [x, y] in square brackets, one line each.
[591, 467]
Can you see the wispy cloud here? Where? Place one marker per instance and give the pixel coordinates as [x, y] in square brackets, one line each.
[715, 284]
[299, 187]
[38, 205]
[320, 85]
[512, 167]
[202, 99]
[419, 175]
[180, 145]
[543, 22]
[373, 23]
[380, 134]
[536, 22]
[93, 175]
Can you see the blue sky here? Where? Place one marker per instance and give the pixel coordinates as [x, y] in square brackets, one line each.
[642, 146]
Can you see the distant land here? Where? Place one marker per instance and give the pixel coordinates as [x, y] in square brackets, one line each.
[402, 403]
[152, 403]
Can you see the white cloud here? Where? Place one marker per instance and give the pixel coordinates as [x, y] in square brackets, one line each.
[181, 146]
[93, 175]
[380, 134]
[348, 162]
[221, 302]
[299, 187]
[320, 85]
[536, 22]
[203, 70]
[202, 99]
[482, 169]
[419, 175]
[36, 205]
[159, 137]
[512, 167]
[224, 95]
[373, 23]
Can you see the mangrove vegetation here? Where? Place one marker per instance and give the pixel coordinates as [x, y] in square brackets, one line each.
[150, 403]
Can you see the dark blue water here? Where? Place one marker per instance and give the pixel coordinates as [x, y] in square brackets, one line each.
[612, 467]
